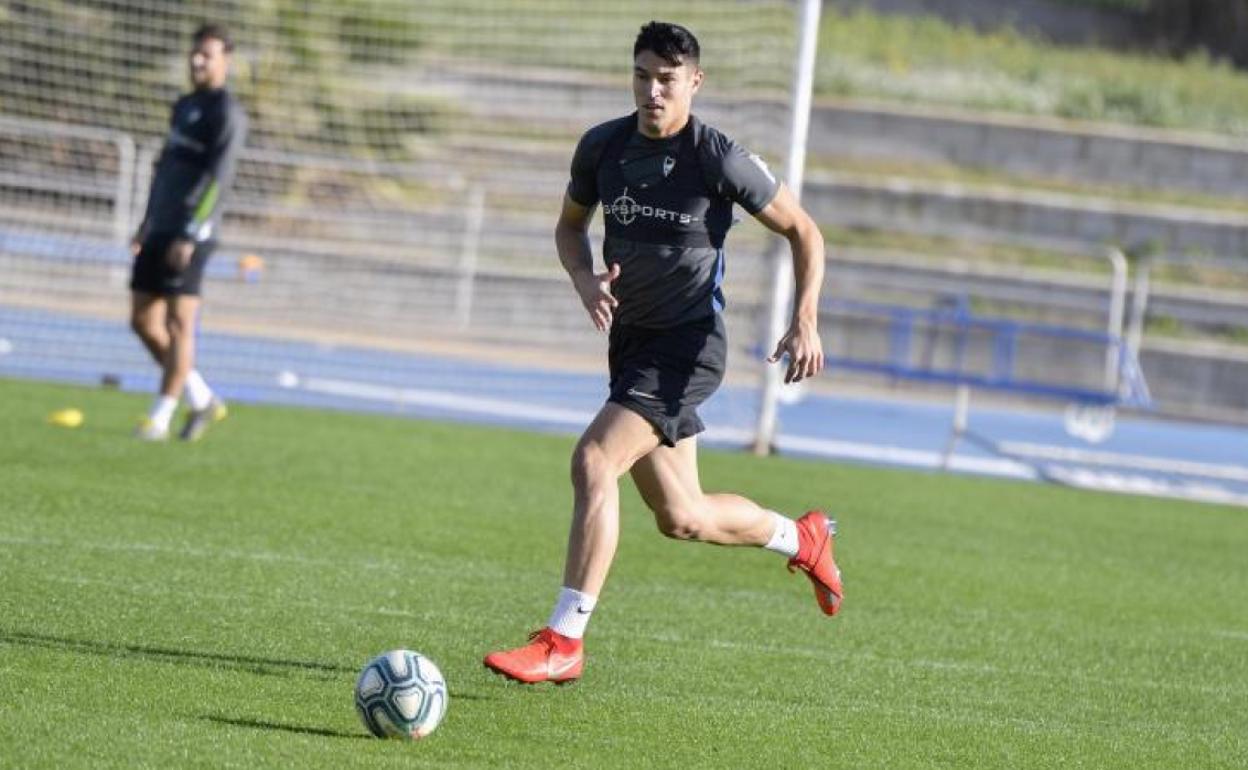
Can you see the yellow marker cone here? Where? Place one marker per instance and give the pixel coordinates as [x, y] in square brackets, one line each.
[66, 418]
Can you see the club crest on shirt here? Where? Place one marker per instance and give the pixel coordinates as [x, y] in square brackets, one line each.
[669, 164]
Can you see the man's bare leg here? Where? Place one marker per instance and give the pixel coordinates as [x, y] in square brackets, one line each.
[610, 445]
[180, 360]
[147, 319]
[667, 479]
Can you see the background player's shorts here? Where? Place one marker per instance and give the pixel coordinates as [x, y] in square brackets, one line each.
[152, 274]
[665, 374]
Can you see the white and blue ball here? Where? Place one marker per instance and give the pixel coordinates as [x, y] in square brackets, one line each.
[401, 694]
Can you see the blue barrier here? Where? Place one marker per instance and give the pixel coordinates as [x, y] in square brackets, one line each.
[905, 322]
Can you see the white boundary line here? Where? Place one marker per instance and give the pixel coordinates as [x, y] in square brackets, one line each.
[1119, 460]
[1081, 477]
[439, 399]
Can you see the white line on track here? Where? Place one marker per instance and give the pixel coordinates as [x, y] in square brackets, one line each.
[1093, 478]
[1119, 460]
[577, 419]
[442, 400]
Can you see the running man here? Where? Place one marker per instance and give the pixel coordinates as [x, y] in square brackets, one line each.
[667, 183]
[178, 234]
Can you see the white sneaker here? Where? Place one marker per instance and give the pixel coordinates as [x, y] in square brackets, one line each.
[150, 431]
[198, 420]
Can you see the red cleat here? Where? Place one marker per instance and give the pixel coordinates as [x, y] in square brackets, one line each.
[815, 536]
[548, 657]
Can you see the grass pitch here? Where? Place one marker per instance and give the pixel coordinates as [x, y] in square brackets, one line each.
[209, 605]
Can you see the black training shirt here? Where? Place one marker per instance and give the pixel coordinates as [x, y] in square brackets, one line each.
[667, 206]
[196, 167]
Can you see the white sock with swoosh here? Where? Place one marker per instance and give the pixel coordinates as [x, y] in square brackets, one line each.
[197, 392]
[571, 613]
[784, 538]
[162, 411]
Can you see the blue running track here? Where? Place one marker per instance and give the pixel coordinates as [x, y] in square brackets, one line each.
[1145, 456]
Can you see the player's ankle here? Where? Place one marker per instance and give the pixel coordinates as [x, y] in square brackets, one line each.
[786, 537]
[565, 644]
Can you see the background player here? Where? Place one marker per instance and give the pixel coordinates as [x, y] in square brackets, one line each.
[178, 234]
[667, 184]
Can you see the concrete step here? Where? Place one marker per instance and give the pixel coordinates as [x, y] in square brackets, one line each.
[992, 211]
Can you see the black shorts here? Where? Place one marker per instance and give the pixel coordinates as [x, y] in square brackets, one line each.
[665, 374]
[152, 274]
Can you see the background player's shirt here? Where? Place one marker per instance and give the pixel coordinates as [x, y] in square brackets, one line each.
[667, 206]
[196, 167]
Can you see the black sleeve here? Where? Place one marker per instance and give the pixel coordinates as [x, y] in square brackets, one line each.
[141, 233]
[218, 177]
[739, 175]
[583, 186]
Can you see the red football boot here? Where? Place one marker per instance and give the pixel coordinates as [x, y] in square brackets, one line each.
[815, 536]
[548, 657]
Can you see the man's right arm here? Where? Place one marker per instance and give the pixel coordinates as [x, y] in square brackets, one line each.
[572, 230]
[572, 238]
[577, 258]
[144, 228]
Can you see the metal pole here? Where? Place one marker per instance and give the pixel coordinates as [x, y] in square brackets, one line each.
[123, 225]
[961, 421]
[1139, 305]
[475, 218]
[1117, 310]
[782, 269]
[142, 179]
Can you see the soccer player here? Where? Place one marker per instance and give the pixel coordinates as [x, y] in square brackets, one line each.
[667, 183]
[178, 234]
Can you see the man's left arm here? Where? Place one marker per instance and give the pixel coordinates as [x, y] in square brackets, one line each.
[217, 178]
[745, 179]
[785, 216]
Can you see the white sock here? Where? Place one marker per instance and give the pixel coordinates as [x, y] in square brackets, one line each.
[571, 613]
[162, 411]
[784, 539]
[198, 394]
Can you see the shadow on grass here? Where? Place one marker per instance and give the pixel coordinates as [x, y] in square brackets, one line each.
[260, 724]
[457, 695]
[249, 663]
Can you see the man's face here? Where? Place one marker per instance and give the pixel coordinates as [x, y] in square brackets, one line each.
[663, 93]
[209, 63]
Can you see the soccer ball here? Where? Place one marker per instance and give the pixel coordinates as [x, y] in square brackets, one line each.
[400, 694]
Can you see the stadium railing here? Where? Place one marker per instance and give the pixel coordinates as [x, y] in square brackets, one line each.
[952, 345]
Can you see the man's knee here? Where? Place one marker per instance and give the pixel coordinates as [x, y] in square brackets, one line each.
[175, 326]
[678, 522]
[144, 325]
[592, 463]
[181, 323]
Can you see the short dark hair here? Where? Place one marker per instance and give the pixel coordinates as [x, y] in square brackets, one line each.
[213, 32]
[670, 42]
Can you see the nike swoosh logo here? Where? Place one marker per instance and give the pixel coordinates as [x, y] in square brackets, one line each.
[582, 611]
[639, 394]
[564, 667]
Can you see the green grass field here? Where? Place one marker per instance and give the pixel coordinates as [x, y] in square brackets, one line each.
[209, 606]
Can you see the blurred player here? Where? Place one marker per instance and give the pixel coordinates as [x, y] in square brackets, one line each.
[178, 234]
[667, 183]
